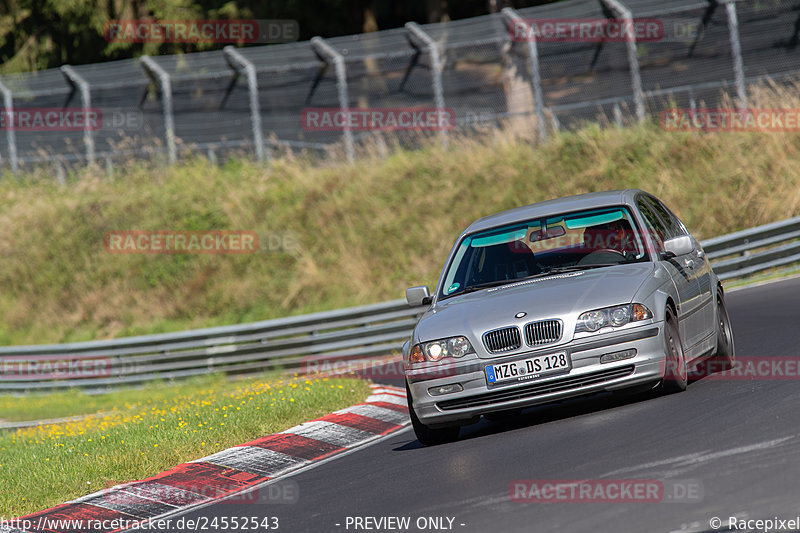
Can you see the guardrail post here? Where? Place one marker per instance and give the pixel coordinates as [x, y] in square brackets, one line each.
[328, 54]
[736, 52]
[77, 81]
[11, 137]
[415, 30]
[633, 60]
[240, 63]
[512, 17]
[160, 76]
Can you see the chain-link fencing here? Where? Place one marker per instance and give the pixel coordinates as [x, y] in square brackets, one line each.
[541, 69]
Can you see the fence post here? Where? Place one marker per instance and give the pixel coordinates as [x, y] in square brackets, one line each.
[415, 30]
[329, 54]
[633, 60]
[160, 76]
[240, 63]
[77, 81]
[736, 52]
[554, 122]
[533, 57]
[11, 137]
[60, 174]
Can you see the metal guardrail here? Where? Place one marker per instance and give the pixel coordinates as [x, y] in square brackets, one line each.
[303, 343]
[319, 341]
[756, 249]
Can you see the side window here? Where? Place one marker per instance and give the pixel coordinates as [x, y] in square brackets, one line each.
[655, 225]
[674, 226]
[680, 229]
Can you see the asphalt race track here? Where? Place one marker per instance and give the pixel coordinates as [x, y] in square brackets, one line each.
[735, 443]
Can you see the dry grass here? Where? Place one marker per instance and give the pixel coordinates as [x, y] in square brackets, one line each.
[365, 231]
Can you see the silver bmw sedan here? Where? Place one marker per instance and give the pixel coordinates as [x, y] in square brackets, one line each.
[597, 292]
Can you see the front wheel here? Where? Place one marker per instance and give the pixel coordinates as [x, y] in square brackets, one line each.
[426, 435]
[676, 373]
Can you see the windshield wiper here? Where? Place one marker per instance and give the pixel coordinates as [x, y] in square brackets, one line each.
[575, 268]
[497, 283]
[487, 285]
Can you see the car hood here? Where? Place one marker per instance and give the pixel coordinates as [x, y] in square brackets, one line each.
[562, 296]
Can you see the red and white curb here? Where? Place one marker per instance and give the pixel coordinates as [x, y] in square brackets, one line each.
[223, 475]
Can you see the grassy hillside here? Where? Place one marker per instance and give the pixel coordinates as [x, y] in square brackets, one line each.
[365, 232]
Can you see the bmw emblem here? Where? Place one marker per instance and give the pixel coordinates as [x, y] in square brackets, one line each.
[522, 314]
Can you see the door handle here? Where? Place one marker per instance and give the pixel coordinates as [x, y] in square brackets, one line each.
[689, 263]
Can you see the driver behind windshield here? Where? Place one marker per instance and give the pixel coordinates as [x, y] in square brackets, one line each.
[616, 236]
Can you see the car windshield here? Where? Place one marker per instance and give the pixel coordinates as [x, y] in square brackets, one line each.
[538, 247]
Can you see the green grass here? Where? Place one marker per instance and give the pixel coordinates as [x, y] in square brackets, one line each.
[149, 433]
[75, 402]
[364, 232]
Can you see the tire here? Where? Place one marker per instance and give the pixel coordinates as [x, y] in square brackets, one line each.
[725, 355]
[676, 372]
[428, 436]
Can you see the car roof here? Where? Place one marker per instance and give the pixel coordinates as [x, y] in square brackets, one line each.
[554, 207]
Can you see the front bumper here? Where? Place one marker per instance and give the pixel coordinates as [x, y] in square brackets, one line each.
[587, 376]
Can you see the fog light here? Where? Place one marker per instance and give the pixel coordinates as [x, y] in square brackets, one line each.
[617, 356]
[445, 389]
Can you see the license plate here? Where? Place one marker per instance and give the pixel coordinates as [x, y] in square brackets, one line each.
[526, 369]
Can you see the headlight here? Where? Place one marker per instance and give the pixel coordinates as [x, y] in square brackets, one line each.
[439, 349]
[612, 316]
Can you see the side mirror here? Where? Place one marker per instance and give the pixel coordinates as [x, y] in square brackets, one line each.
[418, 296]
[678, 246]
